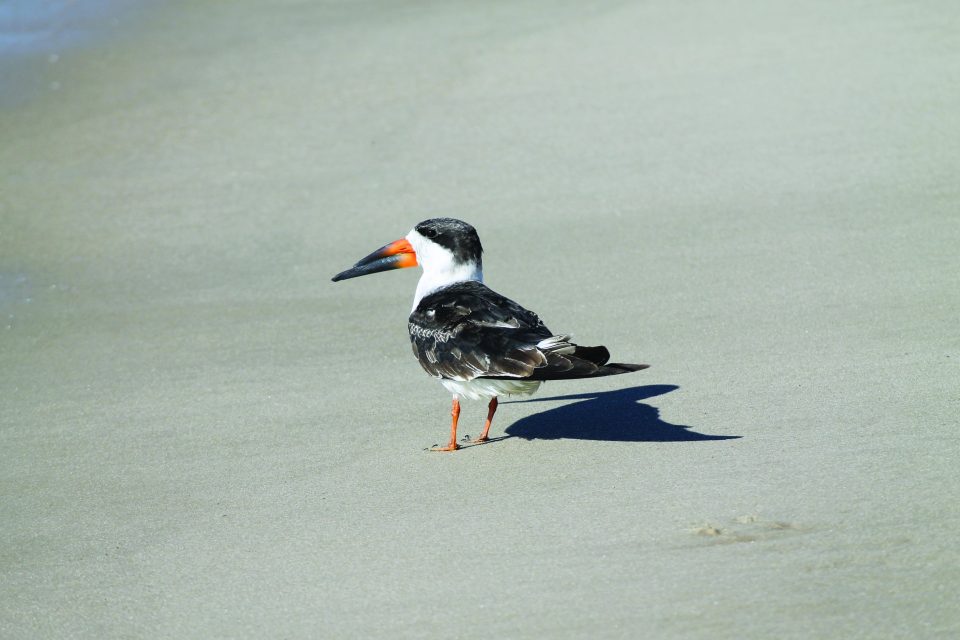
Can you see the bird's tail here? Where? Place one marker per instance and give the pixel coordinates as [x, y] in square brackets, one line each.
[616, 368]
[572, 361]
[600, 357]
[568, 361]
[585, 368]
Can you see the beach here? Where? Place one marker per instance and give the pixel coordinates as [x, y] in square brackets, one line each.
[202, 436]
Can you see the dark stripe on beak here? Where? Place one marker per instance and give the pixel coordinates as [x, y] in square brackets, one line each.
[396, 255]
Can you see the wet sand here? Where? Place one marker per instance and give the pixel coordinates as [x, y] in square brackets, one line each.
[204, 437]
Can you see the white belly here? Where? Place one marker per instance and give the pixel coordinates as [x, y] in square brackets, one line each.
[487, 388]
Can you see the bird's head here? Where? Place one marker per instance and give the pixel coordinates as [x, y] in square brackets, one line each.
[449, 251]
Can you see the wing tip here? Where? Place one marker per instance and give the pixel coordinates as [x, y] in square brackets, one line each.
[627, 367]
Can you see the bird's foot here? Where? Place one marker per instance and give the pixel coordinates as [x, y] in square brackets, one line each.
[453, 446]
[479, 440]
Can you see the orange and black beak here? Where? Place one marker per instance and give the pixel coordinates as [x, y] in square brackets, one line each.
[396, 255]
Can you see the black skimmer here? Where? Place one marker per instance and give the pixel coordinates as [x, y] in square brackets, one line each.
[478, 343]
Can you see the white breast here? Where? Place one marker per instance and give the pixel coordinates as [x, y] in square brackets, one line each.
[439, 267]
[487, 388]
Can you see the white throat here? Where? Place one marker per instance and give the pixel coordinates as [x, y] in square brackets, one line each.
[439, 268]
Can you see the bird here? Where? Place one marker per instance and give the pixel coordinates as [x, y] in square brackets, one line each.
[477, 343]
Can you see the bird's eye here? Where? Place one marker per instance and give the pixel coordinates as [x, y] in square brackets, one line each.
[429, 232]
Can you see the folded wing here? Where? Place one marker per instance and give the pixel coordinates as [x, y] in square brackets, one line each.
[468, 331]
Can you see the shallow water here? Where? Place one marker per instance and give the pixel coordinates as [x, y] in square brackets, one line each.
[34, 37]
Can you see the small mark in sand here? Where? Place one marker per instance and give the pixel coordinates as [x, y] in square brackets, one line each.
[747, 528]
[708, 530]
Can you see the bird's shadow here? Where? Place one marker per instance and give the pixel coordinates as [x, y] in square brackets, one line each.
[614, 416]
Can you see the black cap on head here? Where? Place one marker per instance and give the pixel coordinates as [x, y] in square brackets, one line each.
[456, 235]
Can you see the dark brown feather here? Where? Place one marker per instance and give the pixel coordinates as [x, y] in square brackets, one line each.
[468, 331]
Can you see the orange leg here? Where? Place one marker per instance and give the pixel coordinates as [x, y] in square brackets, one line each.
[455, 414]
[486, 427]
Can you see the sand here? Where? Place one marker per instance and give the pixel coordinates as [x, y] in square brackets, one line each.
[204, 437]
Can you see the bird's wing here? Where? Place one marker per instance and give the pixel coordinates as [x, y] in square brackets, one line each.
[468, 331]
